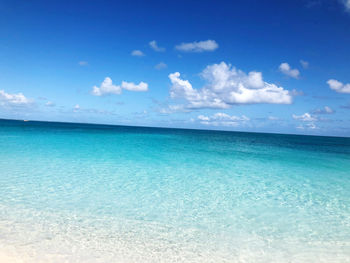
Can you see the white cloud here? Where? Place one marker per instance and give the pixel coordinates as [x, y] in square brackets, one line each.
[227, 86]
[142, 86]
[308, 121]
[339, 86]
[287, 70]
[8, 99]
[304, 64]
[328, 109]
[83, 63]
[222, 119]
[324, 110]
[201, 46]
[295, 92]
[49, 104]
[155, 47]
[137, 53]
[346, 4]
[203, 118]
[81, 110]
[161, 65]
[311, 126]
[305, 117]
[273, 118]
[173, 108]
[107, 87]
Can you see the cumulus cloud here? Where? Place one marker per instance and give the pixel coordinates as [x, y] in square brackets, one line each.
[304, 64]
[305, 117]
[287, 70]
[200, 46]
[142, 86]
[161, 65]
[8, 99]
[137, 53]
[153, 44]
[107, 87]
[227, 86]
[222, 119]
[339, 86]
[308, 121]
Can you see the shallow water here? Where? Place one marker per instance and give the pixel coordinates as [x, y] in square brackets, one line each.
[96, 193]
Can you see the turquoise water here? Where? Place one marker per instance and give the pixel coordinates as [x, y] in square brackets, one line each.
[95, 193]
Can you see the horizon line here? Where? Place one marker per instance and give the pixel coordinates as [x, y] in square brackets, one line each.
[174, 128]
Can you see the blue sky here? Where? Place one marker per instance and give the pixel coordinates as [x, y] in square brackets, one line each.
[260, 66]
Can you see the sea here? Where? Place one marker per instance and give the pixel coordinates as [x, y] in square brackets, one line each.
[100, 193]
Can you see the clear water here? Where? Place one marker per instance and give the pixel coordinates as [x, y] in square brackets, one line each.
[94, 193]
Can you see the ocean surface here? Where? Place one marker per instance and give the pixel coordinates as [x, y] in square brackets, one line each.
[98, 193]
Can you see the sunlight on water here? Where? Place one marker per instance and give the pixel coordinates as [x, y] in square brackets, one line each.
[84, 193]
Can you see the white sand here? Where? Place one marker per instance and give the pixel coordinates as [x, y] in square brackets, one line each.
[7, 257]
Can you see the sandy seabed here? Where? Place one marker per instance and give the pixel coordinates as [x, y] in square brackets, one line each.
[8, 257]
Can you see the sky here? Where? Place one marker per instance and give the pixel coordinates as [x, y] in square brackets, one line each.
[252, 65]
